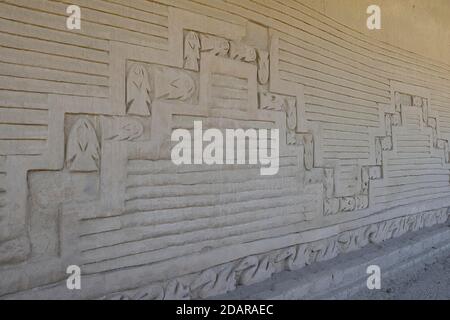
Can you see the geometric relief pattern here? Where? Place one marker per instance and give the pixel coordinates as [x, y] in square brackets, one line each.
[410, 162]
[88, 151]
[415, 162]
[146, 85]
[204, 207]
[147, 183]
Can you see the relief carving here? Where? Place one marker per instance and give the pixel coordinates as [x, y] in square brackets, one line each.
[432, 123]
[423, 104]
[139, 101]
[308, 144]
[191, 51]
[122, 129]
[347, 242]
[388, 124]
[263, 66]
[320, 251]
[83, 150]
[255, 269]
[242, 52]
[128, 130]
[347, 204]
[417, 102]
[291, 113]
[396, 119]
[331, 206]
[425, 110]
[362, 202]
[214, 45]
[329, 182]
[252, 270]
[172, 84]
[294, 257]
[291, 118]
[441, 144]
[386, 143]
[144, 85]
[176, 290]
[365, 178]
[211, 283]
[273, 102]
[378, 151]
[402, 100]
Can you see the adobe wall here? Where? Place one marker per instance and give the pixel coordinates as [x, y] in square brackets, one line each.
[86, 117]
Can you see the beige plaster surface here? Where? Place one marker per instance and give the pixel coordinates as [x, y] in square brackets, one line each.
[86, 118]
[420, 26]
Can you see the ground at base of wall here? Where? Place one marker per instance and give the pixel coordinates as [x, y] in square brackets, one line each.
[427, 281]
[345, 277]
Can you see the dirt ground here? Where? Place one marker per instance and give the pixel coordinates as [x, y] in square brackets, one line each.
[427, 282]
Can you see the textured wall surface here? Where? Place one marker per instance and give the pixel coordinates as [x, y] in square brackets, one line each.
[418, 26]
[85, 123]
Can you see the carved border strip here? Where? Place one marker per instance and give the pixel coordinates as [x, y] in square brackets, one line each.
[222, 279]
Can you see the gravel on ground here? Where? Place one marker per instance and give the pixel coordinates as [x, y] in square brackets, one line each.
[430, 281]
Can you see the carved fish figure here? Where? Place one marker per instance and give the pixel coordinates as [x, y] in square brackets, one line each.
[83, 150]
[216, 46]
[139, 90]
[191, 51]
[174, 85]
[242, 52]
[129, 130]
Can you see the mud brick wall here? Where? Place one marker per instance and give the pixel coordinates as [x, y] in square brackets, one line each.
[85, 123]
